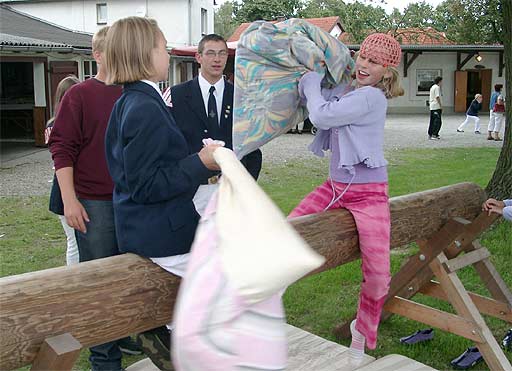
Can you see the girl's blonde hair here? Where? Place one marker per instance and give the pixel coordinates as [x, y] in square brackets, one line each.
[128, 48]
[390, 85]
[62, 88]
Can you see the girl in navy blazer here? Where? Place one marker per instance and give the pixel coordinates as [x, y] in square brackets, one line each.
[154, 175]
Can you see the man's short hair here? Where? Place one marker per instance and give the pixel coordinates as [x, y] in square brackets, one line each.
[98, 40]
[210, 37]
[498, 87]
[128, 47]
[438, 79]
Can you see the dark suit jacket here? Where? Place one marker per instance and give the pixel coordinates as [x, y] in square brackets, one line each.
[189, 112]
[155, 175]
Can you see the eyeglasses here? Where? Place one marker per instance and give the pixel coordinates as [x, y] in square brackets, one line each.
[213, 53]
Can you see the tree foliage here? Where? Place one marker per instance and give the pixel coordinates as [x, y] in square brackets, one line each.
[470, 21]
[225, 23]
[253, 10]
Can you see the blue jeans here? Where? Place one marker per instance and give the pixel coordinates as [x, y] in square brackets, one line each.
[100, 242]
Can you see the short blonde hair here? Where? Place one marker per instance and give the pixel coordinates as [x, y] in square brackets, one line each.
[390, 85]
[98, 40]
[477, 96]
[128, 48]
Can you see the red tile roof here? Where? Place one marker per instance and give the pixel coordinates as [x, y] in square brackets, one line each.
[326, 24]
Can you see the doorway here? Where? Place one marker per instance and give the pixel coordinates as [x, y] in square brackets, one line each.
[468, 83]
[17, 101]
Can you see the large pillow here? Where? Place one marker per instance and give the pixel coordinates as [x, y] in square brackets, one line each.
[270, 59]
[260, 251]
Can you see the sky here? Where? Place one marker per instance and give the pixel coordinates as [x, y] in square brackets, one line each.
[390, 4]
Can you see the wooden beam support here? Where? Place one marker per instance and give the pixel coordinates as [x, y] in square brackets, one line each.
[408, 62]
[469, 258]
[460, 300]
[434, 317]
[58, 353]
[485, 305]
[466, 60]
[491, 278]
[81, 299]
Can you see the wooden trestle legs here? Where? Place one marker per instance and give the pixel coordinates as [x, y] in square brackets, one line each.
[450, 249]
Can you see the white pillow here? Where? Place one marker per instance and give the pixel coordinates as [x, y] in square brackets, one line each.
[261, 252]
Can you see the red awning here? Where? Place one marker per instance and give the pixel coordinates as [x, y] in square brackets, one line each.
[190, 51]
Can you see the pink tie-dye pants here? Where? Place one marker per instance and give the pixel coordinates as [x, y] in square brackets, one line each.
[369, 206]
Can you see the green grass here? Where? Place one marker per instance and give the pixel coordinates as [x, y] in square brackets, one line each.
[33, 240]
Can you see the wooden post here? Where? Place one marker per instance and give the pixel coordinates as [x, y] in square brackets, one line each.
[58, 353]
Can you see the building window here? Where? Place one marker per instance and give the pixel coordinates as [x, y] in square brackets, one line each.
[90, 69]
[425, 80]
[204, 21]
[101, 13]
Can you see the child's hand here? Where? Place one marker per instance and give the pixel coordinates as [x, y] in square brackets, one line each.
[305, 77]
[493, 206]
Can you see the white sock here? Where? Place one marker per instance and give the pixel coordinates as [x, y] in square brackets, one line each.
[357, 344]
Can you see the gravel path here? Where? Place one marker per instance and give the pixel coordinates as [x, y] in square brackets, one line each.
[30, 173]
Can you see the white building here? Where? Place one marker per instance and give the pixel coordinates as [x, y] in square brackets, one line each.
[183, 22]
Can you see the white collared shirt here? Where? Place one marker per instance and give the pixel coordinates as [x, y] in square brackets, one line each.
[154, 85]
[204, 85]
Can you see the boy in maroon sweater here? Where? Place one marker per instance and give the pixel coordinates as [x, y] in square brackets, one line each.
[77, 145]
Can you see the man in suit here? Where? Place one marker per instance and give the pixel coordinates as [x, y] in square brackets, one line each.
[203, 108]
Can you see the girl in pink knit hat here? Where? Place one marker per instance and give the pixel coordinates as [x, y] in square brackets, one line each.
[351, 121]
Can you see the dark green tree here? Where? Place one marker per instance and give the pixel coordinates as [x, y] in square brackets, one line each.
[224, 20]
[253, 10]
[470, 21]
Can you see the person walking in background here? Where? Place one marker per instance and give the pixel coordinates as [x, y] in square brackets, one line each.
[497, 118]
[351, 125]
[154, 174]
[492, 101]
[56, 206]
[77, 144]
[436, 109]
[472, 114]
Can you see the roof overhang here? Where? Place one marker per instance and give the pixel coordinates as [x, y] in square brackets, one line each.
[40, 49]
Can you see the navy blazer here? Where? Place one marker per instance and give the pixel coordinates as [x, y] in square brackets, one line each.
[189, 111]
[155, 176]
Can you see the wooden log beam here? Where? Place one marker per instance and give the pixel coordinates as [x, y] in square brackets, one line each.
[109, 298]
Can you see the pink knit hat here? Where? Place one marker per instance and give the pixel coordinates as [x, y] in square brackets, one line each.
[382, 49]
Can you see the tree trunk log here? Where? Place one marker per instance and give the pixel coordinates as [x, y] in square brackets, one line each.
[500, 185]
[109, 298]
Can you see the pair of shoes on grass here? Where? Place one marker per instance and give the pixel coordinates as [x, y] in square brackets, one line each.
[156, 344]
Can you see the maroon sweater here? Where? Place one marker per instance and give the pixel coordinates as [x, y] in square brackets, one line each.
[78, 137]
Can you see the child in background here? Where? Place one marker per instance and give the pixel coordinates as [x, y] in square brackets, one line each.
[155, 177]
[351, 125]
[472, 114]
[56, 206]
[497, 118]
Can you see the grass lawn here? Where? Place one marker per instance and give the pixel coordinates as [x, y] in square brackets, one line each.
[33, 239]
